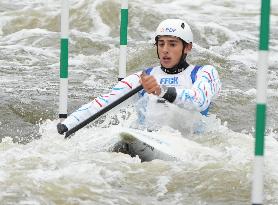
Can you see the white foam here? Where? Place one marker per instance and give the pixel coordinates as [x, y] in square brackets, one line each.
[252, 92]
[247, 57]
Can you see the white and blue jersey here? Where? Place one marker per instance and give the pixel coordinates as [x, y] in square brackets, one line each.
[196, 85]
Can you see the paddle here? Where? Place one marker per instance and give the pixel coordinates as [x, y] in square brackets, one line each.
[103, 111]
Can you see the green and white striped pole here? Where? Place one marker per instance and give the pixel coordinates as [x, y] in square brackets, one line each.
[123, 39]
[63, 97]
[258, 182]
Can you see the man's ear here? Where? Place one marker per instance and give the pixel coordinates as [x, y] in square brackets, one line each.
[187, 48]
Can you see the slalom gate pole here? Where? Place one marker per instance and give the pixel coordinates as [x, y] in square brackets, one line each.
[123, 39]
[258, 182]
[63, 96]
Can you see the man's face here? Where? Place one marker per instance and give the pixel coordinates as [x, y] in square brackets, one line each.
[170, 50]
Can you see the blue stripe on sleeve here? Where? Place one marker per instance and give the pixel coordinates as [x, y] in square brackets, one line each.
[194, 73]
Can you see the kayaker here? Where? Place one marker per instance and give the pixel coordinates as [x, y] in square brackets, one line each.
[174, 80]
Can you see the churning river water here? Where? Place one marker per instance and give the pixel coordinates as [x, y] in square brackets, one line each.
[39, 167]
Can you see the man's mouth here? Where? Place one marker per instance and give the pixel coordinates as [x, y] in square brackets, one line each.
[166, 59]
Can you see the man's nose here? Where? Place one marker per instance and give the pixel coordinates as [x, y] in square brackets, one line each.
[165, 48]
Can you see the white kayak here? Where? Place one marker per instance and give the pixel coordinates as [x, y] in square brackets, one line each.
[160, 144]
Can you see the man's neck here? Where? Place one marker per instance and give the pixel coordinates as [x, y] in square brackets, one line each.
[176, 69]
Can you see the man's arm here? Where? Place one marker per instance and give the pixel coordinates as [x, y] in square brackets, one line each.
[205, 88]
[89, 109]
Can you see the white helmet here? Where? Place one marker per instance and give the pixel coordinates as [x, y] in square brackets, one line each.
[175, 27]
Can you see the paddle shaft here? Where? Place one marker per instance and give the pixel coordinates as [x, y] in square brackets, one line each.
[104, 110]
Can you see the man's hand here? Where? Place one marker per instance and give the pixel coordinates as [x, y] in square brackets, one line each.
[61, 128]
[150, 84]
